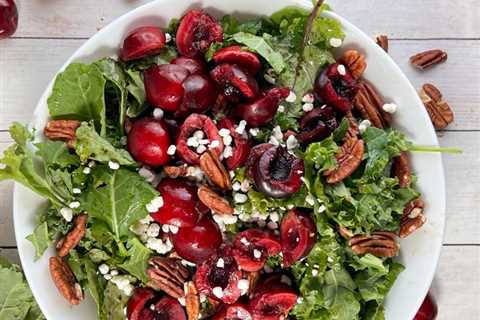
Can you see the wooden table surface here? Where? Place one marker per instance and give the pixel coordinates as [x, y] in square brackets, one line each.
[50, 31]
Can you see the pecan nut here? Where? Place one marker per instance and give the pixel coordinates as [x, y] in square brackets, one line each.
[429, 58]
[214, 201]
[352, 131]
[369, 104]
[345, 233]
[348, 159]
[412, 218]
[63, 130]
[355, 62]
[380, 244]
[192, 301]
[382, 41]
[439, 111]
[73, 237]
[176, 171]
[253, 278]
[215, 170]
[168, 275]
[402, 170]
[65, 281]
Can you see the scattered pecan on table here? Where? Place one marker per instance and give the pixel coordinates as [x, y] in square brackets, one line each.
[412, 218]
[438, 109]
[63, 130]
[355, 62]
[168, 275]
[348, 158]
[369, 103]
[214, 201]
[380, 244]
[74, 235]
[65, 281]
[192, 301]
[429, 58]
[382, 41]
[402, 170]
[215, 171]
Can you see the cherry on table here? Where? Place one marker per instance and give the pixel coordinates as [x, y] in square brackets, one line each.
[142, 42]
[8, 18]
[428, 309]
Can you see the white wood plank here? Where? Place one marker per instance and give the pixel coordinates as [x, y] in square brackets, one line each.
[411, 19]
[462, 178]
[34, 62]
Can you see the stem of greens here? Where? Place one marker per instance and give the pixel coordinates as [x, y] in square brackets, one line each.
[417, 148]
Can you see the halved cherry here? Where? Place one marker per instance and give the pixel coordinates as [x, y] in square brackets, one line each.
[278, 173]
[168, 308]
[148, 141]
[8, 18]
[193, 123]
[252, 160]
[138, 302]
[142, 42]
[163, 85]
[336, 88]
[200, 94]
[298, 234]
[317, 124]
[236, 311]
[428, 309]
[253, 246]
[198, 243]
[248, 60]
[193, 65]
[181, 206]
[274, 303]
[236, 84]
[196, 32]
[262, 110]
[219, 280]
[240, 145]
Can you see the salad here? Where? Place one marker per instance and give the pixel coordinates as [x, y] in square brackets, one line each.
[222, 169]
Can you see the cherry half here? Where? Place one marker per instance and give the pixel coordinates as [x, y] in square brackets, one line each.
[298, 234]
[247, 60]
[140, 301]
[235, 84]
[278, 173]
[200, 93]
[236, 311]
[198, 243]
[193, 65]
[317, 124]
[148, 141]
[240, 145]
[253, 246]
[428, 310]
[8, 18]
[255, 154]
[196, 32]
[181, 206]
[262, 110]
[272, 302]
[142, 42]
[336, 88]
[168, 308]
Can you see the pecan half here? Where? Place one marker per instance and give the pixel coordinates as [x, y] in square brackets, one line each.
[345, 233]
[439, 111]
[215, 170]
[369, 103]
[353, 130]
[167, 274]
[73, 237]
[176, 171]
[402, 170]
[429, 58]
[214, 201]
[412, 218]
[65, 281]
[382, 41]
[63, 130]
[348, 159]
[380, 244]
[192, 301]
[253, 278]
[355, 62]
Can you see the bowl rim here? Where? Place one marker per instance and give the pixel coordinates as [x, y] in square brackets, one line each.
[302, 3]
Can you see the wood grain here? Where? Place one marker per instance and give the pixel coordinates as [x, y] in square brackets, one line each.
[411, 19]
[35, 61]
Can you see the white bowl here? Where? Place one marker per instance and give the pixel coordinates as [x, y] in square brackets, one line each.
[419, 252]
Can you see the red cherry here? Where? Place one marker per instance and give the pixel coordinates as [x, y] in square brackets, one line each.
[138, 302]
[168, 308]
[200, 94]
[191, 64]
[248, 60]
[196, 32]
[298, 234]
[163, 85]
[148, 141]
[193, 123]
[317, 124]
[252, 160]
[241, 145]
[236, 311]
[142, 42]
[199, 242]
[8, 18]
[181, 206]
[428, 310]
[273, 303]
[236, 84]
[262, 110]
[250, 242]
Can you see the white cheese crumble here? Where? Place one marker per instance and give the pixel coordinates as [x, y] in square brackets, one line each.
[272, 225]
[158, 113]
[168, 37]
[292, 142]
[214, 144]
[113, 165]
[199, 134]
[67, 214]
[182, 301]
[227, 152]
[281, 108]
[292, 97]
[310, 200]
[363, 125]
[218, 292]
[153, 230]
[314, 272]
[103, 268]
[307, 107]
[240, 129]
[275, 217]
[254, 132]
[308, 98]
[245, 186]
[236, 186]
[74, 205]
[193, 142]
[240, 198]
[243, 285]
[87, 170]
[390, 107]
[76, 190]
[224, 132]
[201, 149]
[220, 263]
[335, 42]
[257, 254]
[171, 150]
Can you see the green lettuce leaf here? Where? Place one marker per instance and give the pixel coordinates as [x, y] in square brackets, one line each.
[114, 303]
[40, 239]
[137, 262]
[56, 154]
[136, 88]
